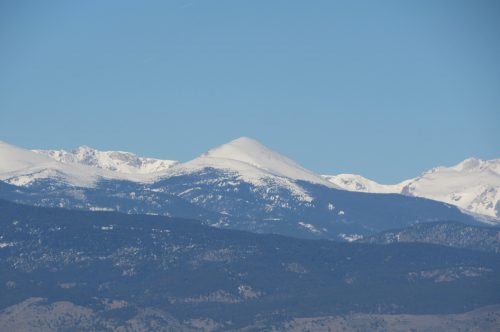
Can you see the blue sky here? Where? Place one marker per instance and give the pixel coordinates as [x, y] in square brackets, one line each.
[386, 89]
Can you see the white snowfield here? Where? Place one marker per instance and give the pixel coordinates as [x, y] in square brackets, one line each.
[473, 185]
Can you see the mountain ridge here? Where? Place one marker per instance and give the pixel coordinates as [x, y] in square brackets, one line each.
[117, 161]
[240, 184]
[473, 185]
[246, 154]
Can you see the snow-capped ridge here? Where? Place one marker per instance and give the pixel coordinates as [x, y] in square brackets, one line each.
[244, 158]
[21, 167]
[115, 161]
[472, 185]
[83, 167]
[354, 182]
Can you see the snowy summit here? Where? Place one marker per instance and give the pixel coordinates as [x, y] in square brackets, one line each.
[253, 160]
[473, 185]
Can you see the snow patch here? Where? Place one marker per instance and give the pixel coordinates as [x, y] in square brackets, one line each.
[350, 237]
[6, 244]
[97, 208]
[309, 227]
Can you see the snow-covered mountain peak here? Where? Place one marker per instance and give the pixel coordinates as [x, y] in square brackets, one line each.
[245, 155]
[250, 151]
[116, 161]
[473, 185]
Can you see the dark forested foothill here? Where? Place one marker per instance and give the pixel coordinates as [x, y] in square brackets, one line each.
[120, 266]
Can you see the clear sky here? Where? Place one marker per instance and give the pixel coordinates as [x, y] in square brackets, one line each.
[386, 89]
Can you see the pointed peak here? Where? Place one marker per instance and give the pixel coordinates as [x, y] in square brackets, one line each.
[245, 152]
[244, 140]
[241, 143]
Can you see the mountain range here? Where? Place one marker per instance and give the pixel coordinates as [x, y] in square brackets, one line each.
[108, 240]
[239, 185]
[472, 185]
